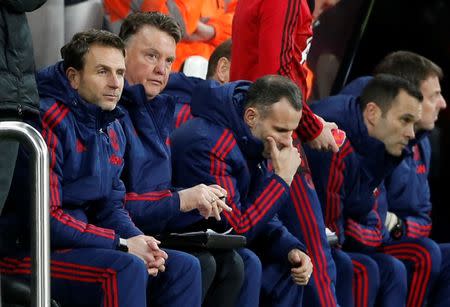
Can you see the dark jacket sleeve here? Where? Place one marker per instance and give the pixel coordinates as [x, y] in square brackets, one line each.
[22, 6]
[113, 215]
[152, 211]
[208, 164]
[363, 226]
[276, 241]
[68, 230]
[408, 193]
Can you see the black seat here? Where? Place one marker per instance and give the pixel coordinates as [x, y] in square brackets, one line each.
[16, 292]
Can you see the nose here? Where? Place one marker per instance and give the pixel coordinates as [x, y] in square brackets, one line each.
[410, 134]
[114, 81]
[442, 104]
[286, 139]
[160, 67]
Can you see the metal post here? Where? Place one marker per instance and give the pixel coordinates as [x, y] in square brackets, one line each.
[40, 240]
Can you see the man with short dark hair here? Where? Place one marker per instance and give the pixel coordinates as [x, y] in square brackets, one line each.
[404, 206]
[97, 251]
[236, 127]
[379, 124]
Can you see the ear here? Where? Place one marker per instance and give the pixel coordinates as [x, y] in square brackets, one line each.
[74, 77]
[251, 116]
[223, 70]
[372, 113]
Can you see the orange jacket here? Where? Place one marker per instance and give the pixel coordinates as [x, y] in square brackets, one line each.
[216, 14]
[188, 12]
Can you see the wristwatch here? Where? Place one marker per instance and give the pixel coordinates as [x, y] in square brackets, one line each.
[123, 245]
[397, 230]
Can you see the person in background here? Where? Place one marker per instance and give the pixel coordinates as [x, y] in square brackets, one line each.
[204, 23]
[182, 86]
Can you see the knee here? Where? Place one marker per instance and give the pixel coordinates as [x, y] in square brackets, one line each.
[183, 262]
[135, 267]
[396, 270]
[252, 264]
[369, 271]
[399, 268]
[208, 266]
[191, 264]
[236, 265]
[343, 262]
[432, 255]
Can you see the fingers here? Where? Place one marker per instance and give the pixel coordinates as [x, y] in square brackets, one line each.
[222, 205]
[215, 211]
[273, 147]
[217, 203]
[152, 271]
[333, 146]
[152, 243]
[301, 275]
[160, 253]
[218, 190]
[302, 281]
[332, 125]
[148, 258]
[204, 206]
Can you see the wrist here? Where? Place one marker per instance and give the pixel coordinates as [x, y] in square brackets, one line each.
[397, 231]
[122, 245]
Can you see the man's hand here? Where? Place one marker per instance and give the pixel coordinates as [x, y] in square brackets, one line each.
[209, 200]
[302, 267]
[325, 140]
[285, 161]
[146, 248]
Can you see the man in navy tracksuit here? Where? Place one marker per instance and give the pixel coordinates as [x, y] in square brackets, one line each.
[405, 205]
[304, 217]
[378, 133]
[99, 257]
[153, 202]
[236, 127]
[181, 87]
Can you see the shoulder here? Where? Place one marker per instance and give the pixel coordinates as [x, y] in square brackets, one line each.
[54, 115]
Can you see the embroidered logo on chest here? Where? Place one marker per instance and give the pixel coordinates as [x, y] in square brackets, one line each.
[80, 147]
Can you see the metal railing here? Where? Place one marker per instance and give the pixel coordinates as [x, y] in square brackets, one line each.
[40, 240]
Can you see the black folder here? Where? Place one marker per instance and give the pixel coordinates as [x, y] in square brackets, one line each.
[202, 240]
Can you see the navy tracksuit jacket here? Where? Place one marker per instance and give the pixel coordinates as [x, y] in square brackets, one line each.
[148, 172]
[303, 218]
[407, 194]
[86, 147]
[216, 147]
[367, 232]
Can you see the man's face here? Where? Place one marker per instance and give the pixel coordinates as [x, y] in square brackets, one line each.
[432, 103]
[395, 128]
[321, 6]
[150, 55]
[101, 79]
[279, 122]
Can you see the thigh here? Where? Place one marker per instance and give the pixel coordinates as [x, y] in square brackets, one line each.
[102, 276]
